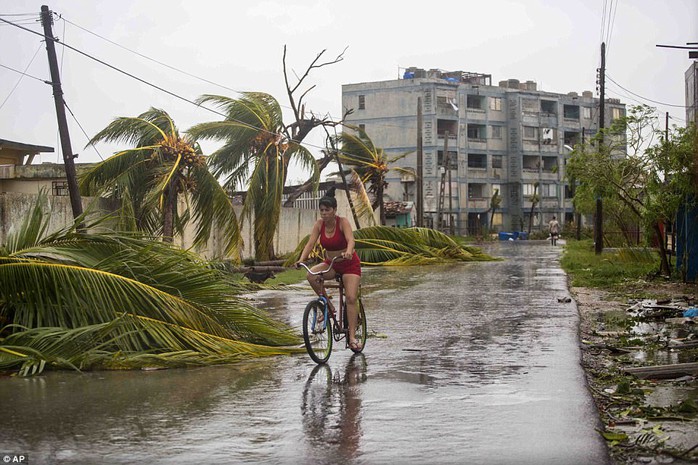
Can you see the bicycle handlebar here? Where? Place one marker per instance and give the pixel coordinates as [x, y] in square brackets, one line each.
[315, 273]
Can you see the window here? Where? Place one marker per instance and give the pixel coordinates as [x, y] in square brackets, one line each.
[497, 188]
[568, 192]
[586, 112]
[362, 102]
[530, 133]
[528, 190]
[443, 126]
[362, 127]
[530, 162]
[496, 103]
[476, 190]
[496, 132]
[548, 190]
[616, 113]
[475, 102]
[529, 105]
[476, 131]
[571, 112]
[571, 138]
[496, 161]
[550, 164]
[452, 159]
[477, 160]
[59, 188]
[548, 107]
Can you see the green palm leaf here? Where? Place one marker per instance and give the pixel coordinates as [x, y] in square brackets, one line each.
[153, 297]
[255, 156]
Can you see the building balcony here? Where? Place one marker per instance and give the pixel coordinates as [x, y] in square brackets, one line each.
[478, 203]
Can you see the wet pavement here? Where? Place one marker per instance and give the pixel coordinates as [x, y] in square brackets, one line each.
[472, 363]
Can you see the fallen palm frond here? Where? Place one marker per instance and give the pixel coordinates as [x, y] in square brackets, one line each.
[411, 246]
[58, 292]
[381, 245]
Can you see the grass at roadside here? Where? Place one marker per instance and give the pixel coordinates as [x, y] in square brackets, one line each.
[610, 270]
[290, 276]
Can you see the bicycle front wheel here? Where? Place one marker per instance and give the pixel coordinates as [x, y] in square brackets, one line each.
[317, 334]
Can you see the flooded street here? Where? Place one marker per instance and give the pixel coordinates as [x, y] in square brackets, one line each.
[472, 363]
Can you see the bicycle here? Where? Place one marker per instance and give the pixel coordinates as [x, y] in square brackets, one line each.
[319, 336]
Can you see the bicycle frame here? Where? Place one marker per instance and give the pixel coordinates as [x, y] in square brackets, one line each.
[319, 333]
[338, 321]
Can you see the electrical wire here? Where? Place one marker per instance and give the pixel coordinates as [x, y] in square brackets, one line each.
[149, 58]
[644, 98]
[158, 87]
[25, 74]
[132, 76]
[83, 130]
[20, 78]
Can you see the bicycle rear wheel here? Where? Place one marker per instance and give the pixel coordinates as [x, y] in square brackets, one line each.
[317, 335]
[361, 331]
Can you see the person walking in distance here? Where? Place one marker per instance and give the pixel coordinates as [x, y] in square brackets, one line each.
[336, 237]
[554, 228]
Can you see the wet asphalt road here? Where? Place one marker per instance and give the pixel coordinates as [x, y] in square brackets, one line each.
[473, 363]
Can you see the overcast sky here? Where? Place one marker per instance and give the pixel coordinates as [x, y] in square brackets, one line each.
[239, 44]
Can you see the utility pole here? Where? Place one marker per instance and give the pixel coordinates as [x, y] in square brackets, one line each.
[75, 200]
[598, 220]
[420, 168]
[451, 226]
[578, 216]
[442, 190]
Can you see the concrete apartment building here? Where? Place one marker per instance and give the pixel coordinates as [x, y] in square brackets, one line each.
[501, 138]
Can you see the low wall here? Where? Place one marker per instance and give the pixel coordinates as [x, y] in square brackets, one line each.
[294, 223]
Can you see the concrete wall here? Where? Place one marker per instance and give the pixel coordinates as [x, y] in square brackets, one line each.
[294, 223]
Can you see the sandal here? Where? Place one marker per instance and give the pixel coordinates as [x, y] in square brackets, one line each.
[355, 346]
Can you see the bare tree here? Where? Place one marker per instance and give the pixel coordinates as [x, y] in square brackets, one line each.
[304, 123]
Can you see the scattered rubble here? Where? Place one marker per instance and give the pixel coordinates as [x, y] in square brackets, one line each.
[641, 361]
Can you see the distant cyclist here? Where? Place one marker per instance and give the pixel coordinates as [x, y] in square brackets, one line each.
[554, 228]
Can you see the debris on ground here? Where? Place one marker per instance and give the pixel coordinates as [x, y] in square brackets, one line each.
[641, 361]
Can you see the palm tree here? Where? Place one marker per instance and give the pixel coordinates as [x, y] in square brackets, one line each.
[370, 163]
[115, 300]
[150, 178]
[256, 152]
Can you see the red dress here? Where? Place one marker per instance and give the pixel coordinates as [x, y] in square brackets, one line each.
[336, 243]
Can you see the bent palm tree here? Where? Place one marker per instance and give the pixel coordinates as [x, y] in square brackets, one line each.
[256, 153]
[149, 179]
[370, 163]
[114, 300]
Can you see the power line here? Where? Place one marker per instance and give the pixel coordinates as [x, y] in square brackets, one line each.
[149, 58]
[83, 130]
[644, 98]
[20, 78]
[154, 85]
[168, 92]
[25, 74]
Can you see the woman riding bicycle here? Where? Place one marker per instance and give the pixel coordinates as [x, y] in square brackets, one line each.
[337, 238]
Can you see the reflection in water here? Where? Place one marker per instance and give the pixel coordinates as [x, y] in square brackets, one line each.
[471, 363]
[331, 407]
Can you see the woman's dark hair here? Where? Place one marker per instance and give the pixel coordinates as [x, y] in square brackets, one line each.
[328, 199]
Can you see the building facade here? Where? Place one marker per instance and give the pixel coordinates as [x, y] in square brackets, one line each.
[478, 139]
